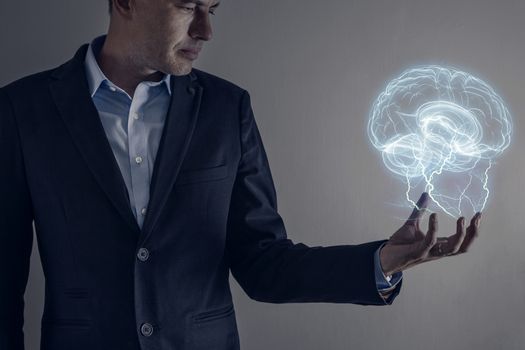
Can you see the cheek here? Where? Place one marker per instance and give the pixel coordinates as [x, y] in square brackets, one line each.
[173, 22]
[177, 30]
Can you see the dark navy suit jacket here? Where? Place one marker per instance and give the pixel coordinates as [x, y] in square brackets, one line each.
[212, 209]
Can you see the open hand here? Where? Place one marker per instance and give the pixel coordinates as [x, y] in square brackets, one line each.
[409, 246]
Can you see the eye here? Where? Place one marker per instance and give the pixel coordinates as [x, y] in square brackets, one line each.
[187, 9]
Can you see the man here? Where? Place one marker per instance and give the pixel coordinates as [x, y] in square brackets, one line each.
[148, 182]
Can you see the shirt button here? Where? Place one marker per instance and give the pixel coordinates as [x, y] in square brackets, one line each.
[112, 88]
[138, 160]
[143, 254]
[143, 211]
[146, 329]
[135, 116]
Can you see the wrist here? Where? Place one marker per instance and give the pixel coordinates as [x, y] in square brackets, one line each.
[385, 260]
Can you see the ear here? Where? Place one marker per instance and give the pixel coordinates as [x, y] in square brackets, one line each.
[123, 7]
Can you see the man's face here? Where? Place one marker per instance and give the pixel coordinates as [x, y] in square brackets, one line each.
[168, 34]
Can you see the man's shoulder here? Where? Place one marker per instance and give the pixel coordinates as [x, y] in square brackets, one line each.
[216, 83]
[38, 83]
[30, 83]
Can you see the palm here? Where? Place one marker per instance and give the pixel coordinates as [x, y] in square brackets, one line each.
[409, 246]
[407, 234]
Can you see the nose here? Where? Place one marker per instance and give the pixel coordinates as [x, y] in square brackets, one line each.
[200, 27]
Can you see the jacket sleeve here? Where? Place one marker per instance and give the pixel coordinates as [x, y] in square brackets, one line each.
[269, 266]
[16, 230]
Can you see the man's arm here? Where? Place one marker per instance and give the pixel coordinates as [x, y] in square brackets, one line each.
[269, 266]
[16, 231]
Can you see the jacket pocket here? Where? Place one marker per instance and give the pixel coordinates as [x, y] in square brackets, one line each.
[213, 314]
[215, 329]
[202, 175]
[77, 293]
[67, 322]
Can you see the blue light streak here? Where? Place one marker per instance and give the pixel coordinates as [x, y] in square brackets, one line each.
[440, 130]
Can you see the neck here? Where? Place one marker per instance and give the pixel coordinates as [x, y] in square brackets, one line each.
[115, 61]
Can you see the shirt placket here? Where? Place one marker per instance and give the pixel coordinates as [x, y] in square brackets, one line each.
[138, 153]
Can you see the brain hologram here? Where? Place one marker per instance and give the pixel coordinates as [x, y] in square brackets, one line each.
[440, 130]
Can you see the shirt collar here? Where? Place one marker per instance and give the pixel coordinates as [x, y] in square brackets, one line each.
[95, 76]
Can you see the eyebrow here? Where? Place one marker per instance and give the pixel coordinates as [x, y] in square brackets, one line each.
[200, 3]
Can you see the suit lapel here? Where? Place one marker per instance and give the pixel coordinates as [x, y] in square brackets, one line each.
[176, 135]
[70, 92]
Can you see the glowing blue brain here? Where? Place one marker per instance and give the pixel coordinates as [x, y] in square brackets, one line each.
[440, 129]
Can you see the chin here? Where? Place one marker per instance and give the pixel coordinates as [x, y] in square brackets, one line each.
[181, 69]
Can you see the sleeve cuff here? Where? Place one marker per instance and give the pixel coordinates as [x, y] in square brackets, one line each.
[384, 283]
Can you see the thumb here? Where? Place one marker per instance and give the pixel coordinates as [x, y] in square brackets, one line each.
[419, 210]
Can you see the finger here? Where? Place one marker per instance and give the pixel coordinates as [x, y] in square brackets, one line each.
[419, 209]
[475, 219]
[459, 237]
[471, 234]
[431, 236]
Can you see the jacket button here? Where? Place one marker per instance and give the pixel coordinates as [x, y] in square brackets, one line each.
[146, 329]
[143, 254]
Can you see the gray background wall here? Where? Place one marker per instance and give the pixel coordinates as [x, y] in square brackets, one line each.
[313, 69]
